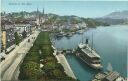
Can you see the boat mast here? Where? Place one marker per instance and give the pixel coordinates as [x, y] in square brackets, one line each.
[126, 50]
[92, 42]
[82, 38]
[86, 39]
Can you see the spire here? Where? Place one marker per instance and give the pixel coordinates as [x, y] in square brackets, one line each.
[38, 14]
[37, 11]
[43, 11]
[38, 17]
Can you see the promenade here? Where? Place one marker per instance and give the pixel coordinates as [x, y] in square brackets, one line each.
[14, 58]
[67, 68]
[61, 59]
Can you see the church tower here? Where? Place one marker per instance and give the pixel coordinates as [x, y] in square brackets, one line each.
[43, 11]
[38, 17]
[43, 17]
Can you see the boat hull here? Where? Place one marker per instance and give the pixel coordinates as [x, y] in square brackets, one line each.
[98, 68]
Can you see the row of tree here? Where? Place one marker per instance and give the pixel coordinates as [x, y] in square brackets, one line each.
[18, 38]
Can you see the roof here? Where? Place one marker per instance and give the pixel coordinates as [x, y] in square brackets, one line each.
[100, 76]
[120, 79]
[5, 27]
[22, 25]
[112, 76]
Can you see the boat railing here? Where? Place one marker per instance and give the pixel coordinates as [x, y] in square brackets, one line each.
[93, 48]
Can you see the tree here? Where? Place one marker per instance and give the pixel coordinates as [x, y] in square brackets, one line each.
[30, 70]
[17, 38]
[24, 34]
[58, 73]
[2, 47]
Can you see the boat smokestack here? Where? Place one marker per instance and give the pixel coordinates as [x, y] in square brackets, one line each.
[86, 41]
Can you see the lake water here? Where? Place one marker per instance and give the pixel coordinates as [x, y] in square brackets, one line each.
[110, 42]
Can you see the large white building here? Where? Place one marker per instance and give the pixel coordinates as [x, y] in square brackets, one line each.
[20, 28]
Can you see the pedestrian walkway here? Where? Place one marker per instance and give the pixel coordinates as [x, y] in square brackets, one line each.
[66, 66]
[63, 61]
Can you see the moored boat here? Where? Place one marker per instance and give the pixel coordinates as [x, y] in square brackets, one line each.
[88, 55]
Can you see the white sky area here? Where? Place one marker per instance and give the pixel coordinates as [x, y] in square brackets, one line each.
[81, 8]
[66, 0]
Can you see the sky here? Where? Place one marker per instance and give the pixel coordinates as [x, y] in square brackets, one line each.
[79, 8]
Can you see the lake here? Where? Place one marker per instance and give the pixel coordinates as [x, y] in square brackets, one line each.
[110, 42]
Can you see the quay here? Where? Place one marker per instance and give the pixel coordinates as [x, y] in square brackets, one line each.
[62, 60]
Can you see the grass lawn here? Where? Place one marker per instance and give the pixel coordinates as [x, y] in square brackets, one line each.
[30, 68]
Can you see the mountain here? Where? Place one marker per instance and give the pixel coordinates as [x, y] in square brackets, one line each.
[112, 21]
[115, 18]
[117, 15]
[72, 19]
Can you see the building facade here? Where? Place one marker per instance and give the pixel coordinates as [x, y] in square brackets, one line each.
[7, 36]
[21, 28]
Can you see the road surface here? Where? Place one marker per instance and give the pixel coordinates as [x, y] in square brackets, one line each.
[14, 59]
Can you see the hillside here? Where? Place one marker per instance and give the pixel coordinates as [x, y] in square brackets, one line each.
[117, 15]
[115, 18]
[62, 20]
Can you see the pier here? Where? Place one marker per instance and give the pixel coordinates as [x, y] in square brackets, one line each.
[62, 60]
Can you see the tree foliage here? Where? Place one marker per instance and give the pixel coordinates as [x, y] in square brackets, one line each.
[17, 38]
[24, 34]
[30, 70]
